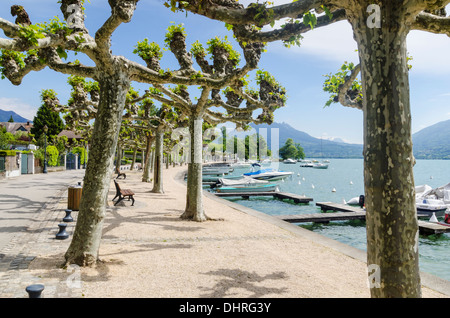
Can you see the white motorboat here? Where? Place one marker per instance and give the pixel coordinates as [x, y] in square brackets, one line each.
[290, 161]
[250, 188]
[306, 163]
[238, 165]
[431, 200]
[217, 169]
[430, 206]
[269, 174]
[242, 181]
[320, 166]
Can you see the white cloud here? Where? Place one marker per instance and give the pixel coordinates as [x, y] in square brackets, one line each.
[429, 52]
[332, 43]
[18, 107]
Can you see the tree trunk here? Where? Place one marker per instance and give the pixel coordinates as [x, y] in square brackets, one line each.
[133, 162]
[148, 161]
[391, 218]
[118, 158]
[85, 244]
[194, 199]
[158, 167]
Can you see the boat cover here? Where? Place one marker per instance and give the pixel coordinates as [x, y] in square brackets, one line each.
[242, 181]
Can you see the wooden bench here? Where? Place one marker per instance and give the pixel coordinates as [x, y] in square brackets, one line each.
[123, 193]
[121, 174]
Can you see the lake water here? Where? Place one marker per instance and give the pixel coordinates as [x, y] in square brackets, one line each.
[345, 176]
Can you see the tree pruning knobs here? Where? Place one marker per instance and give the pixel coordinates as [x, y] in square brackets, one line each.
[62, 234]
[34, 291]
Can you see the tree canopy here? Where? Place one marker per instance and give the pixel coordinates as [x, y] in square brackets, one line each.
[45, 116]
[291, 150]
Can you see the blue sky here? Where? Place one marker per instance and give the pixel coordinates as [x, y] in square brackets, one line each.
[299, 69]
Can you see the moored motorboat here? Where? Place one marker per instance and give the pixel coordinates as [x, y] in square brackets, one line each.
[217, 169]
[306, 163]
[320, 166]
[238, 165]
[429, 200]
[249, 188]
[430, 206]
[290, 161]
[242, 181]
[269, 174]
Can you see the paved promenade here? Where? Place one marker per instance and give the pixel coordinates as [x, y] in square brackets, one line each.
[148, 251]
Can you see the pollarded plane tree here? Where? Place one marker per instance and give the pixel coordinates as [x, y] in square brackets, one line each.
[30, 47]
[81, 108]
[209, 105]
[144, 137]
[81, 111]
[380, 29]
[156, 122]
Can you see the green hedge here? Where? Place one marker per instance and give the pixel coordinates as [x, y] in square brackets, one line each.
[8, 152]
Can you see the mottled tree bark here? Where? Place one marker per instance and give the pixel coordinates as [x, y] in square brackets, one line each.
[158, 167]
[194, 198]
[83, 249]
[392, 228]
[148, 161]
[133, 161]
[118, 158]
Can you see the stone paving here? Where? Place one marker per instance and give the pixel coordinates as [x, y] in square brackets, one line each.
[24, 248]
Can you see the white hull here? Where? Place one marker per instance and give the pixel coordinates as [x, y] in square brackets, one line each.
[244, 189]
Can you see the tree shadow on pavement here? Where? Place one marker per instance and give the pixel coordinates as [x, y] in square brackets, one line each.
[232, 279]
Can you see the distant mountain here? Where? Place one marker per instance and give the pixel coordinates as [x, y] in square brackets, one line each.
[313, 147]
[5, 115]
[432, 142]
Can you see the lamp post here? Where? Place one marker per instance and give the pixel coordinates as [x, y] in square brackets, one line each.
[45, 149]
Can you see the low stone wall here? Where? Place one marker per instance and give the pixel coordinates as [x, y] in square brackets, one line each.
[11, 165]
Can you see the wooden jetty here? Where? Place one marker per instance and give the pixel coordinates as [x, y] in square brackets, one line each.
[278, 195]
[347, 212]
[427, 228]
[330, 206]
[322, 217]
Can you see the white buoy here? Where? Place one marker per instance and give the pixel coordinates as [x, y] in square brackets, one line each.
[312, 186]
[298, 174]
[343, 201]
[334, 190]
[299, 182]
[351, 182]
[303, 178]
[434, 219]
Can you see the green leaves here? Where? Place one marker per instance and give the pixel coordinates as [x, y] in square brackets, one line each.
[6, 55]
[261, 14]
[197, 50]
[31, 33]
[148, 50]
[310, 19]
[172, 5]
[171, 30]
[327, 12]
[333, 81]
[234, 56]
